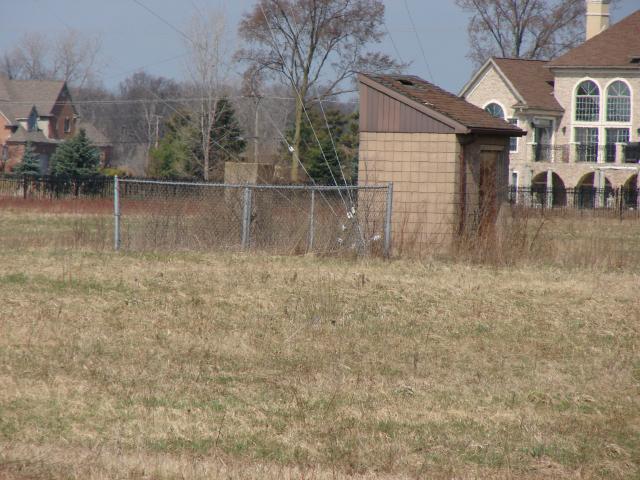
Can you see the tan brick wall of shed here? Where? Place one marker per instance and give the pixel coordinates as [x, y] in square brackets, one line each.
[424, 169]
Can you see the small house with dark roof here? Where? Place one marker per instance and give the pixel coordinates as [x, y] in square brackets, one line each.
[447, 159]
[581, 111]
[42, 113]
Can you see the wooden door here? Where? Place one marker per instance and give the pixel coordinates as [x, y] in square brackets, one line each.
[487, 192]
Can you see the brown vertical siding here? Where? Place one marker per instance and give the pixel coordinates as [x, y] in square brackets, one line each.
[381, 113]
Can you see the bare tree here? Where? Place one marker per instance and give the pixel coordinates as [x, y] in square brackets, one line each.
[147, 101]
[29, 59]
[208, 44]
[533, 29]
[71, 56]
[308, 43]
[76, 58]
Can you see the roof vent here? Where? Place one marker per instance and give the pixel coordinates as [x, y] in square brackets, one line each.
[406, 82]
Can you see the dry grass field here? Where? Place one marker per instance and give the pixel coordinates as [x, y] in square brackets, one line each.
[171, 366]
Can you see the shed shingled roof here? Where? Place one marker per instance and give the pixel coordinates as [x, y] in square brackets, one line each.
[445, 103]
[532, 80]
[615, 47]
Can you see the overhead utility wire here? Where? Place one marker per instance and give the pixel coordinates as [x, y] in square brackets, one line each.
[169, 99]
[275, 45]
[415, 31]
[216, 143]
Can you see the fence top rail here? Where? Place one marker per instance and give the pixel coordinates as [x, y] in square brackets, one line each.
[255, 187]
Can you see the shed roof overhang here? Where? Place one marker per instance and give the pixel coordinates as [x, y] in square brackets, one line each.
[456, 126]
[459, 128]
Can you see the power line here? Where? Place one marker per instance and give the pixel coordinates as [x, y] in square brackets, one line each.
[393, 43]
[218, 144]
[415, 31]
[167, 23]
[301, 100]
[168, 99]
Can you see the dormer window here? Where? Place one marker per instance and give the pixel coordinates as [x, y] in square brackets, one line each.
[32, 121]
[588, 102]
[67, 125]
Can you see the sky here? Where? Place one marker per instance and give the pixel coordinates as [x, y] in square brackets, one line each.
[133, 39]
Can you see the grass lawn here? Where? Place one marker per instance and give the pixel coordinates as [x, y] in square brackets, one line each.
[232, 366]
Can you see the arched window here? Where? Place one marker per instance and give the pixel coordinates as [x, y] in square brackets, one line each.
[494, 110]
[618, 102]
[587, 102]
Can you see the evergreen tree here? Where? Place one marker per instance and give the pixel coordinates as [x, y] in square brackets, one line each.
[180, 154]
[30, 164]
[170, 158]
[76, 157]
[323, 169]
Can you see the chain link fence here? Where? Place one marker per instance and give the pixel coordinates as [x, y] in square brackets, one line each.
[153, 215]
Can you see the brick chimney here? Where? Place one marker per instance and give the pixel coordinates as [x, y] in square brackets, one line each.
[597, 17]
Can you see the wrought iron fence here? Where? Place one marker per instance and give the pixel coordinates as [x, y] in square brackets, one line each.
[550, 153]
[55, 187]
[623, 199]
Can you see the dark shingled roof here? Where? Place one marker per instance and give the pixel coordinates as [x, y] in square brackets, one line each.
[21, 136]
[96, 136]
[532, 80]
[445, 103]
[18, 97]
[615, 47]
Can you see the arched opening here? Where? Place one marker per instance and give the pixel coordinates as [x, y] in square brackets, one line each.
[630, 192]
[587, 192]
[494, 110]
[618, 102]
[540, 194]
[587, 102]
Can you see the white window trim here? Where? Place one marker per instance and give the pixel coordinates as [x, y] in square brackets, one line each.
[574, 102]
[517, 124]
[606, 97]
[602, 124]
[517, 175]
[504, 110]
[552, 140]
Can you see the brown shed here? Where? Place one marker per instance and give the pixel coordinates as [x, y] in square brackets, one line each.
[448, 160]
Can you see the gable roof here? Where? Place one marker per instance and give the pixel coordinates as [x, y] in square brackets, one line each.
[18, 97]
[529, 81]
[22, 136]
[615, 47]
[532, 80]
[440, 104]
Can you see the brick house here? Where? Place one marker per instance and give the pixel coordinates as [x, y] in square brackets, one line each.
[447, 159]
[581, 110]
[40, 112]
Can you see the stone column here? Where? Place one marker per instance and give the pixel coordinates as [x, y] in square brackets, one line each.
[620, 152]
[572, 152]
[600, 194]
[549, 188]
[637, 188]
[528, 174]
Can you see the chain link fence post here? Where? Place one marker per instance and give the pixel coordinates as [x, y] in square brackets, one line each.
[246, 218]
[312, 225]
[387, 221]
[116, 213]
